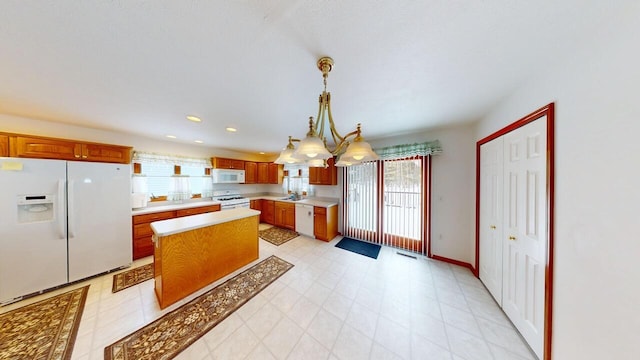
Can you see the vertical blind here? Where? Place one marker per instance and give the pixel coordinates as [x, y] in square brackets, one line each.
[387, 201]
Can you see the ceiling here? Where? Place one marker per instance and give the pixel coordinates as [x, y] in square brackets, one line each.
[400, 66]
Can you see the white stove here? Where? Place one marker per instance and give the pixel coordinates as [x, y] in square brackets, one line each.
[229, 199]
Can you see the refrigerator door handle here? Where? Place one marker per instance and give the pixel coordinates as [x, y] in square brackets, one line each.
[61, 216]
[70, 206]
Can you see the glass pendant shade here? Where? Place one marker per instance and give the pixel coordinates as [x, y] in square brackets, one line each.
[312, 147]
[287, 156]
[360, 151]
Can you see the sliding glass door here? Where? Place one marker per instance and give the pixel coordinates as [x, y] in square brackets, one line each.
[386, 202]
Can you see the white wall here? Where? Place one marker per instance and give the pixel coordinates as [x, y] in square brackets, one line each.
[596, 312]
[452, 189]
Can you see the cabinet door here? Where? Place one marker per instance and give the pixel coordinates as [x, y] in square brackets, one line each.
[237, 164]
[314, 176]
[4, 145]
[106, 153]
[142, 242]
[290, 217]
[320, 223]
[263, 173]
[279, 214]
[250, 172]
[33, 147]
[221, 163]
[329, 175]
[268, 210]
[255, 204]
[324, 176]
[275, 173]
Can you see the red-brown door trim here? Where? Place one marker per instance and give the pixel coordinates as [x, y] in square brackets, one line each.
[547, 110]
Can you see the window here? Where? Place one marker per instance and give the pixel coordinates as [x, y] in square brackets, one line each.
[161, 181]
[297, 181]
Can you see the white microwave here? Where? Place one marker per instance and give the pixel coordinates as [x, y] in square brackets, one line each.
[227, 176]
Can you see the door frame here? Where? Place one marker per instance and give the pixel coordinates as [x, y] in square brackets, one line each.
[547, 110]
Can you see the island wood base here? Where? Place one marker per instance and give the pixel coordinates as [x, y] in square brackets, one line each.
[188, 261]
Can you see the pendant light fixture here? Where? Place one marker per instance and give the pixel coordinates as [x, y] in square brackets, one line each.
[313, 149]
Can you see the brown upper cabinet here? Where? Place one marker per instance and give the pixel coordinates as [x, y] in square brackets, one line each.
[4, 145]
[324, 176]
[49, 148]
[263, 173]
[224, 163]
[276, 172]
[250, 172]
[254, 172]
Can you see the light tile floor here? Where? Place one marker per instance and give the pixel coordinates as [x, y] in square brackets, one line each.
[333, 304]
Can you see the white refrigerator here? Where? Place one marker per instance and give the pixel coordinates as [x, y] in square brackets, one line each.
[61, 221]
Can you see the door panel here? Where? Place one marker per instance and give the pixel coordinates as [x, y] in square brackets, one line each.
[491, 189]
[33, 252]
[99, 218]
[525, 233]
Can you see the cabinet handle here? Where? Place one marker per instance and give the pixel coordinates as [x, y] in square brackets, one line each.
[76, 155]
[493, 227]
[84, 156]
[512, 237]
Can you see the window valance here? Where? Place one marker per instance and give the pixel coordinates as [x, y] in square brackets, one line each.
[409, 150]
[141, 156]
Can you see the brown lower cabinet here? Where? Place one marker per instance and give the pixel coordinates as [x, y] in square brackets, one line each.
[325, 222]
[142, 233]
[285, 215]
[255, 204]
[268, 212]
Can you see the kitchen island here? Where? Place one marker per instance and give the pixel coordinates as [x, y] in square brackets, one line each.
[192, 252]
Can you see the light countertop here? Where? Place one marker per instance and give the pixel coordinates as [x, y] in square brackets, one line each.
[187, 205]
[186, 223]
[321, 202]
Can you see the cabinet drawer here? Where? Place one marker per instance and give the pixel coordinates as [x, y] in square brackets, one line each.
[198, 210]
[147, 218]
[142, 247]
[141, 230]
[319, 210]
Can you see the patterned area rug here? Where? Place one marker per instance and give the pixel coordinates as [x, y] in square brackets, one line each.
[277, 236]
[175, 331]
[43, 330]
[132, 277]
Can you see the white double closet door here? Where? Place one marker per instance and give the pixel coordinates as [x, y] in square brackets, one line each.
[513, 226]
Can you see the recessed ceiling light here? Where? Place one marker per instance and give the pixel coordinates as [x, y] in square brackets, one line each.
[261, 152]
[198, 141]
[194, 118]
[171, 136]
[231, 129]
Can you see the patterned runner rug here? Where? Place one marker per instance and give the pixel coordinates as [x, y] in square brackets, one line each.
[132, 277]
[277, 236]
[167, 336]
[43, 330]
